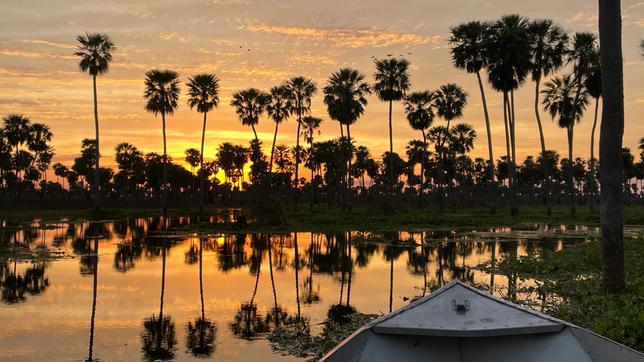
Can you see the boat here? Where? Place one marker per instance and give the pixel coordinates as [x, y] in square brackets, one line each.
[463, 324]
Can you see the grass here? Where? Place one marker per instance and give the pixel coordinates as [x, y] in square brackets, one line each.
[570, 280]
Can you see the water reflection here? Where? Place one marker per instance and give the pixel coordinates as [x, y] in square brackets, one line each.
[249, 283]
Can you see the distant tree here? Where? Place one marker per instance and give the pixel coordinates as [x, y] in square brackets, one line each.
[419, 108]
[162, 95]
[193, 158]
[567, 108]
[95, 53]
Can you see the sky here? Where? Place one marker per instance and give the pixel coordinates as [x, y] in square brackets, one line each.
[260, 43]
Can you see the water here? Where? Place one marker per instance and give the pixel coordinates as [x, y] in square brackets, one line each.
[109, 308]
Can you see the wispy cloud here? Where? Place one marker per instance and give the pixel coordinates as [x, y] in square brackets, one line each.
[342, 37]
[175, 36]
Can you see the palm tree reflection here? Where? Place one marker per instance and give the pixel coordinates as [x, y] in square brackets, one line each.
[200, 337]
[159, 337]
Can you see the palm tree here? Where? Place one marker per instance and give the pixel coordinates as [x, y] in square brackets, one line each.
[594, 88]
[610, 145]
[250, 104]
[162, 94]
[548, 43]
[468, 52]
[302, 90]
[509, 62]
[345, 96]
[463, 136]
[564, 105]
[449, 100]
[391, 84]
[203, 93]
[419, 108]
[95, 52]
[279, 108]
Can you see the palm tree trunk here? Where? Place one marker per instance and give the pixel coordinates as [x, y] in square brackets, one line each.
[391, 148]
[349, 176]
[254, 132]
[571, 181]
[593, 190]
[536, 114]
[270, 167]
[507, 134]
[165, 167]
[422, 170]
[489, 140]
[98, 154]
[201, 173]
[297, 153]
[514, 197]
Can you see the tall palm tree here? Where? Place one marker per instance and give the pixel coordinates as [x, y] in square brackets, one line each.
[250, 104]
[593, 86]
[345, 96]
[302, 90]
[610, 145]
[509, 63]
[95, 52]
[311, 126]
[419, 108]
[548, 43]
[162, 94]
[566, 107]
[203, 93]
[391, 84]
[468, 51]
[279, 108]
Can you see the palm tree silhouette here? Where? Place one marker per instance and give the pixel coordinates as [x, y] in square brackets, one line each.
[391, 84]
[95, 52]
[508, 66]
[310, 125]
[419, 108]
[469, 52]
[549, 44]
[345, 96]
[450, 100]
[203, 93]
[279, 108]
[302, 90]
[162, 94]
[566, 107]
[249, 105]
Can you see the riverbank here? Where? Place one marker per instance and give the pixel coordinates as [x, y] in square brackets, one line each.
[327, 219]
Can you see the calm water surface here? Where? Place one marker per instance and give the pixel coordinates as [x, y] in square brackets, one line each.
[142, 297]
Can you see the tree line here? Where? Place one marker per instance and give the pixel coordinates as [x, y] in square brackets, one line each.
[435, 166]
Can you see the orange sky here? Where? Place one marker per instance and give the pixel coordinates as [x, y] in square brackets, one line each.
[39, 76]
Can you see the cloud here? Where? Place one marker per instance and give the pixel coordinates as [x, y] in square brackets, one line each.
[177, 36]
[46, 43]
[33, 54]
[341, 37]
